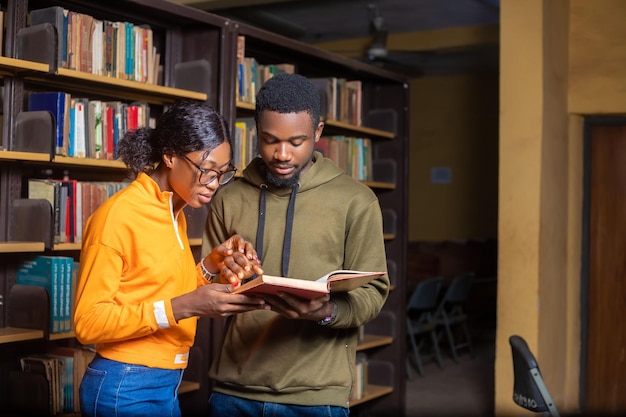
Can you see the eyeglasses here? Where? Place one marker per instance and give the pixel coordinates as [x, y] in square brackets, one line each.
[207, 175]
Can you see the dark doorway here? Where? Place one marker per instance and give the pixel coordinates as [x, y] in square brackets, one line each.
[603, 360]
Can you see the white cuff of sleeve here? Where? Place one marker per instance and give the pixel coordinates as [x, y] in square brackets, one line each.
[160, 315]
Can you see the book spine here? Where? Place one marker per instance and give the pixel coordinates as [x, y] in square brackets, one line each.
[57, 213]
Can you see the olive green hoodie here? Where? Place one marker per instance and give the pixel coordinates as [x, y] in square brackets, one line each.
[337, 224]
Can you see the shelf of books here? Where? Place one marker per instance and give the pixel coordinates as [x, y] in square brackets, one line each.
[65, 108]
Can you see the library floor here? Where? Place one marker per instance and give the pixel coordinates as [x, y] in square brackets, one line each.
[465, 389]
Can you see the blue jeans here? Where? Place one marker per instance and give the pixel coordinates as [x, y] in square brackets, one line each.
[222, 405]
[115, 389]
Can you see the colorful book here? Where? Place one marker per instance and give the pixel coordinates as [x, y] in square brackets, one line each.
[49, 190]
[55, 103]
[45, 271]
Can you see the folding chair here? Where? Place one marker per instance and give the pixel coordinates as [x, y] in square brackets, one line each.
[529, 390]
[419, 321]
[450, 313]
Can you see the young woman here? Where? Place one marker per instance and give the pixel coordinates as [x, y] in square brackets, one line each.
[139, 289]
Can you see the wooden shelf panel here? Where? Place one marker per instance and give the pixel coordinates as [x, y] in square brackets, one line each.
[242, 105]
[99, 84]
[196, 241]
[336, 125]
[67, 246]
[371, 341]
[188, 386]
[14, 334]
[61, 160]
[11, 66]
[360, 130]
[21, 247]
[60, 336]
[90, 162]
[372, 392]
[24, 156]
[96, 84]
[380, 185]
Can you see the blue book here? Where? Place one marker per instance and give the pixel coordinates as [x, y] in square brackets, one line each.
[130, 51]
[67, 298]
[45, 271]
[55, 103]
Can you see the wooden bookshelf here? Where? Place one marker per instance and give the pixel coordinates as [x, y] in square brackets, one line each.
[12, 66]
[24, 156]
[21, 247]
[66, 246]
[371, 392]
[349, 129]
[371, 341]
[61, 336]
[89, 162]
[92, 84]
[14, 334]
[380, 185]
[188, 386]
[195, 241]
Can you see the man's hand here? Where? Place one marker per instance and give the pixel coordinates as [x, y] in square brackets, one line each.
[293, 307]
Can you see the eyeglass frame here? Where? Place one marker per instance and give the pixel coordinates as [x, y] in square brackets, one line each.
[204, 171]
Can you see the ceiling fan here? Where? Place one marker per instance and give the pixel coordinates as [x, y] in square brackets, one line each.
[378, 53]
[415, 63]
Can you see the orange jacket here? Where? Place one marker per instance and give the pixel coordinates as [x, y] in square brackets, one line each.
[135, 258]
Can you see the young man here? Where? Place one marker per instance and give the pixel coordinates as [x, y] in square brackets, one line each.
[307, 218]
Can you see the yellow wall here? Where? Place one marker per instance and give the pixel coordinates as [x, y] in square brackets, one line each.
[533, 194]
[553, 52]
[453, 124]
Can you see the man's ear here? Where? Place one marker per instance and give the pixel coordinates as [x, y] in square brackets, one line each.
[318, 131]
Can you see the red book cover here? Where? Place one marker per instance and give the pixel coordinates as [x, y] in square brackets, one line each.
[110, 146]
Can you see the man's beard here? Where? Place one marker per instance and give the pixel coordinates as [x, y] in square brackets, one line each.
[277, 182]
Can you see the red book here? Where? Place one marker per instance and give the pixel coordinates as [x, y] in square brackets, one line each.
[109, 132]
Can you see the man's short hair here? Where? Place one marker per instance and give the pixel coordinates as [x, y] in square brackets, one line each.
[289, 93]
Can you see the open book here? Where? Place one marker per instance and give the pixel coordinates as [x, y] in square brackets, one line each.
[335, 281]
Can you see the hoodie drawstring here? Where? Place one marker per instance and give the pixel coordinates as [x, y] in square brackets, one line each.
[288, 228]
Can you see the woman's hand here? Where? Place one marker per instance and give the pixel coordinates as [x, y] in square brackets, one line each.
[235, 260]
[215, 300]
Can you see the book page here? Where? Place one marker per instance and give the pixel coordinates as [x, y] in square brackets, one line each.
[341, 274]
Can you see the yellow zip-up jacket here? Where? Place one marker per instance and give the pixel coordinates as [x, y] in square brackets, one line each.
[135, 258]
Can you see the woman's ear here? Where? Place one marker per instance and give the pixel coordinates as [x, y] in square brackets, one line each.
[168, 160]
